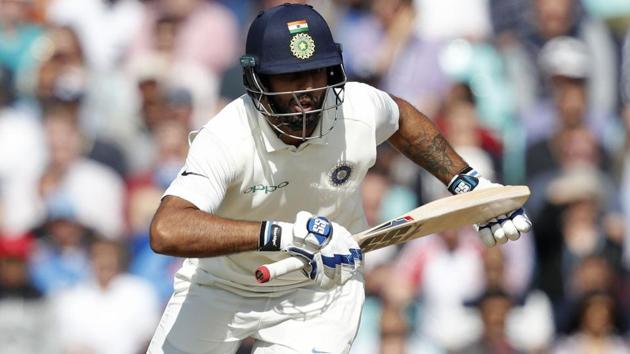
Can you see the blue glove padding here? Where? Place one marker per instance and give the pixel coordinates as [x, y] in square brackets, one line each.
[501, 228]
[335, 264]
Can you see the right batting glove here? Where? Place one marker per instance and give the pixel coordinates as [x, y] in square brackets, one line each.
[331, 252]
[308, 232]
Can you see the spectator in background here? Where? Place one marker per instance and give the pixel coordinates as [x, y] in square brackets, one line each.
[597, 273]
[443, 271]
[136, 132]
[494, 306]
[61, 73]
[191, 24]
[20, 135]
[18, 34]
[62, 83]
[403, 63]
[570, 141]
[574, 150]
[196, 41]
[565, 62]
[596, 327]
[110, 312]
[104, 32]
[160, 101]
[507, 18]
[94, 191]
[104, 28]
[144, 192]
[26, 322]
[545, 20]
[572, 228]
[60, 258]
[529, 325]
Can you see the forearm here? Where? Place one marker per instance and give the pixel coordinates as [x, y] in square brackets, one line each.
[180, 229]
[418, 139]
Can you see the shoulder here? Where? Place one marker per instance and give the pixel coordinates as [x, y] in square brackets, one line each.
[233, 115]
[231, 126]
[229, 133]
[358, 95]
[372, 106]
[359, 89]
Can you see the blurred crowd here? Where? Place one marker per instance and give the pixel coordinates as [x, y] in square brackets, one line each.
[97, 98]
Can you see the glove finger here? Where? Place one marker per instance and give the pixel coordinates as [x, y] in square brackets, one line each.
[486, 235]
[300, 252]
[358, 257]
[301, 219]
[497, 231]
[510, 229]
[325, 281]
[346, 274]
[521, 221]
[314, 266]
[348, 270]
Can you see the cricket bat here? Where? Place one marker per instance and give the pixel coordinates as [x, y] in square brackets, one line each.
[448, 213]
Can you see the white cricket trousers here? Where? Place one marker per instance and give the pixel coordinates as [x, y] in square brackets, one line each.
[205, 319]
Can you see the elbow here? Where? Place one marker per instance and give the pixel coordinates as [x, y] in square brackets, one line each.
[160, 237]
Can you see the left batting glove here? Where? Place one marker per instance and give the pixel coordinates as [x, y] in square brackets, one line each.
[307, 231]
[333, 256]
[499, 229]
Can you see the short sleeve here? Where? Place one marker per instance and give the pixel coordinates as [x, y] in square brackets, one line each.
[386, 117]
[207, 174]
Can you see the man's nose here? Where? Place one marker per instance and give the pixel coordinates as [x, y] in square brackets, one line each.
[305, 80]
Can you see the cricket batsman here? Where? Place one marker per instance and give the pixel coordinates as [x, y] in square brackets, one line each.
[276, 174]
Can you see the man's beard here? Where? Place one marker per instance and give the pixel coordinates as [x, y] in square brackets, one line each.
[299, 121]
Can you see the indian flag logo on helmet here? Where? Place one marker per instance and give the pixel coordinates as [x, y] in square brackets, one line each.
[297, 26]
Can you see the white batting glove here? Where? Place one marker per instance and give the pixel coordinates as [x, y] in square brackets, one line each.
[501, 228]
[331, 252]
[308, 231]
[336, 263]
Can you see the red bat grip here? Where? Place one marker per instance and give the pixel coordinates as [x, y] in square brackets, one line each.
[266, 272]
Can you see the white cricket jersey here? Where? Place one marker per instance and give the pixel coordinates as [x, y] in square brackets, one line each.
[238, 168]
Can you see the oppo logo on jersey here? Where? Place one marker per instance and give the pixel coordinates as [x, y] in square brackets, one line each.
[266, 189]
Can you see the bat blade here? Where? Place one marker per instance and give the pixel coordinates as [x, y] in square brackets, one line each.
[444, 214]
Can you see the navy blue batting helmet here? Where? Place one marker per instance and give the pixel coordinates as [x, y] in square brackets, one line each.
[291, 38]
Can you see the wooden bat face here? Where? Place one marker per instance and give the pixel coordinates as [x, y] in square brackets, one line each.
[445, 214]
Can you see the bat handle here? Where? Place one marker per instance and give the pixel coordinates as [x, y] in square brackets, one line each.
[266, 272]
